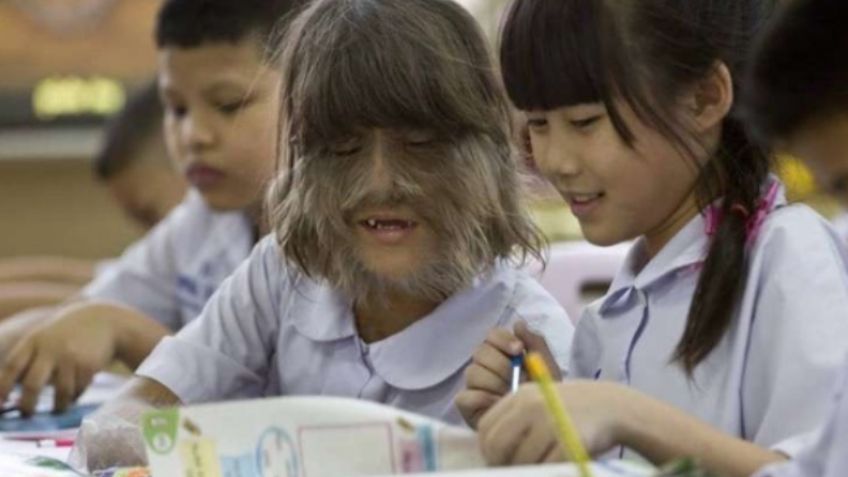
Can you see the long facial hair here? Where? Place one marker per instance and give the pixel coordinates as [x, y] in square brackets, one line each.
[452, 189]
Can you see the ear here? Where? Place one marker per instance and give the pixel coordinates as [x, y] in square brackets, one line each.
[710, 99]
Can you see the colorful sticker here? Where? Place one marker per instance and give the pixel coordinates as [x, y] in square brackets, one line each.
[160, 430]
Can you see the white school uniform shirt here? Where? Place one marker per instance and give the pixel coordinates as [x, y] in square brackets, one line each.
[770, 377]
[271, 331]
[826, 454]
[840, 223]
[171, 272]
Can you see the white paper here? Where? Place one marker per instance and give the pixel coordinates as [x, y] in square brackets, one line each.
[321, 437]
[303, 437]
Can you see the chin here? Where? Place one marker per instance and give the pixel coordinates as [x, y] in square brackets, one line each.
[391, 268]
[602, 238]
[224, 202]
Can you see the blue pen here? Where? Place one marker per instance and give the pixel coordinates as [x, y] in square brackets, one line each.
[517, 364]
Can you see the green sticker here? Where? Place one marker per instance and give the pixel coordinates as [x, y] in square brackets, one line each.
[160, 429]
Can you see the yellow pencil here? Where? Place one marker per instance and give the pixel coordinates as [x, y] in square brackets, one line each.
[568, 436]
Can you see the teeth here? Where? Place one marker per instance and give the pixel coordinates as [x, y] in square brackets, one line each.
[372, 223]
[585, 197]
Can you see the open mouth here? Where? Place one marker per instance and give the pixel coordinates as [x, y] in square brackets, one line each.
[389, 231]
[388, 224]
[583, 204]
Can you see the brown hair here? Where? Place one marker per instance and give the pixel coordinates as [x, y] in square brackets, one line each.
[351, 65]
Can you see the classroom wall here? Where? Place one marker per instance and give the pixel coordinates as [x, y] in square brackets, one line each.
[55, 207]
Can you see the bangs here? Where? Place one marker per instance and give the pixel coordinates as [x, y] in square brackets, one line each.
[552, 54]
[376, 65]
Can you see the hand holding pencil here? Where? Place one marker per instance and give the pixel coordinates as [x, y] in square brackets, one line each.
[491, 373]
[520, 429]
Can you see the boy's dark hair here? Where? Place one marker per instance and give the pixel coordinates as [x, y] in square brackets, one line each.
[128, 132]
[800, 69]
[557, 53]
[191, 23]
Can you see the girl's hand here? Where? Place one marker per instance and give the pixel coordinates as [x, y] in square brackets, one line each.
[488, 377]
[519, 430]
[65, 351]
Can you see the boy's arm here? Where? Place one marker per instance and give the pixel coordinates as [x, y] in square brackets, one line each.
[70, 347]
[20, 324]
[16, 297]
[70, 271]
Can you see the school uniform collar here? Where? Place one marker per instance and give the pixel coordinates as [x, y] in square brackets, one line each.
[686, 250]
[436, 347]
[430, 350]
[321, 313]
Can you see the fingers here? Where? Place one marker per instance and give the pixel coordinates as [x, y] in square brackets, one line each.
[505, 342]
[472, 404]
[497, 440]
[536, 343]
[64, 382]
[490, 371]
[554, 454]
[502, 438]
[538, 443]
[37, 375]
[84, 376]
[13, 366]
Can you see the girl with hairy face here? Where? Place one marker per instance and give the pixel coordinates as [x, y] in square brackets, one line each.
[395, 215]
[400, 186]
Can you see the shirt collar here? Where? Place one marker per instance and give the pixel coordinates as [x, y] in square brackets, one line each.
[320, 312]
[686, 249]
[434, 348]
[427, 352]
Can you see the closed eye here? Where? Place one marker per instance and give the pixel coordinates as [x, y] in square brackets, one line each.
[230, 108]
[345, 151]
[584, 123]
[537, 122]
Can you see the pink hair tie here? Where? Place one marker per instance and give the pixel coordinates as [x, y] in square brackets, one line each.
[753, 223]
[765, 206]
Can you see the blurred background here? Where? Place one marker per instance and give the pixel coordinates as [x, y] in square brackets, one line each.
[69, 65]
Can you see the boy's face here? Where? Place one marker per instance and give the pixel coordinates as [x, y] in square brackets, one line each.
[823, 146]
[221, 104]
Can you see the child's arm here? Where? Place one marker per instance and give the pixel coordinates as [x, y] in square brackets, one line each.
[489, 374]
[518, 430]
[15, 327]
[16, 297]
[70, 271]
[70, 347]
[111, 437]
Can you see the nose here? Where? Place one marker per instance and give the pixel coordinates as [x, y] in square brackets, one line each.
[197, 133]
[380, 156]
[555, 157]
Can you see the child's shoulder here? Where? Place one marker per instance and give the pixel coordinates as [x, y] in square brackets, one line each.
[796, 242]
[528, 294]
[531, 302]
[195, 214]
[797, 228]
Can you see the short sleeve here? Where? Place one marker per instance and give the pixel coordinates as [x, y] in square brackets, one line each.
[823, 453]
[799, 331]
[226, 353]
[145, 276]
[545, 317]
